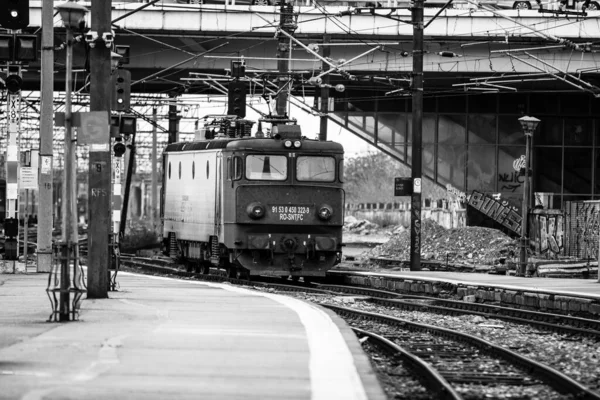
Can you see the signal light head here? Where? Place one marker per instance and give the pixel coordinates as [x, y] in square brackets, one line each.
[13, 84]
[119, 149]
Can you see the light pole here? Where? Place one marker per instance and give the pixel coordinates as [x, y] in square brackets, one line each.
[529, 124]
[72, 14]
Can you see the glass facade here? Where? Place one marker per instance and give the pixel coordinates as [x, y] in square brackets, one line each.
[477, 143]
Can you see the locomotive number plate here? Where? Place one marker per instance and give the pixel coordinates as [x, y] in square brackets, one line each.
[290, 212]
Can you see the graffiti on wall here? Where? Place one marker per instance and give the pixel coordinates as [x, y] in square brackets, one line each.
[456, 192]
[499, 212]
[547, 232]
[588, 225]
[510, 181]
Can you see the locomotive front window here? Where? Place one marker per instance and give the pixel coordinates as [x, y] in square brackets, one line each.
[317, 169]
[266, 167]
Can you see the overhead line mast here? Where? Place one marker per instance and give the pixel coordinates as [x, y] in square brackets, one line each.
[287, 23]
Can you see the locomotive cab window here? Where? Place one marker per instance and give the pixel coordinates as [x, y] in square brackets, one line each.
[266, 167]
[315, 169]
[235, 168]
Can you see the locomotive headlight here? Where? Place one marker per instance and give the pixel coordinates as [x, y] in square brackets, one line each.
[297, 144]
[325, 212]
[255, 210]
[288, 143]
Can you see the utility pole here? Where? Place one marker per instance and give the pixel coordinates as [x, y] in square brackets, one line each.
[45, 219]
[99, 227]
[173, 119]
[325, 90]
[287, 23]
[417, 135]
[13, 84]
[154, 169]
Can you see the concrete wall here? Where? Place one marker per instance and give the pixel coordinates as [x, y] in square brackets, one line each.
[447, 214]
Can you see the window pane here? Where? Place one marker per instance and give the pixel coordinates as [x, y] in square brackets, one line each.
[509, 130]
[481, 168]
[548, 132]
[547, 169]
[317, 169]
[266, 167]
[428, 158]
[513, 104]
[482, 129]
[540, 104]
[574, 104]
[451, 165]
[451, 129]
[578, 171]
[452, 104]
[485, 103]
[384, 133]
[397, 123]
[429, 122]
[578, 132]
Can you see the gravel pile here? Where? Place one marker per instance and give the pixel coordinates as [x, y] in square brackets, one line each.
[469, 245]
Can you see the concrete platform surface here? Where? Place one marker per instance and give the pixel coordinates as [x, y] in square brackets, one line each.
[586, 288]
[160, 338]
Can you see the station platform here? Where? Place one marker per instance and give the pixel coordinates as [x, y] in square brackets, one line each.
[572, 295]
[161, 338]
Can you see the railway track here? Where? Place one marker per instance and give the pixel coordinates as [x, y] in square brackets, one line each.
[394, 303]
[473, 367]
[404, 373]
[563, 324]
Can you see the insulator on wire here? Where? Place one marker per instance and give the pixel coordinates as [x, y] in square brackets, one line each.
[447, 54]
[314, 80]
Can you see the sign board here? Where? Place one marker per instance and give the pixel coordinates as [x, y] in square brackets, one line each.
[14, 113]
[94, 126]
[28, 178]
[417, 185]
[403, 187]
[46, 164]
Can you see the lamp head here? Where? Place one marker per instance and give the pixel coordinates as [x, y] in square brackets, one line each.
[71, 14]
[529, 124]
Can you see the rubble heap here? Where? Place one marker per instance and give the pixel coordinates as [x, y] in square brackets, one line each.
[468, 245]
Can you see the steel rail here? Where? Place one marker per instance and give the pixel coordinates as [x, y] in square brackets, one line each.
[586, 326]
[550, 376]
[425, 373]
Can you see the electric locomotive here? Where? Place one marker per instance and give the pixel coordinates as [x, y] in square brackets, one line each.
[263, 205]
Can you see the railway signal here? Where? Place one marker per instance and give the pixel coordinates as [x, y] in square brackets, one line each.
[119, 148]
[18, 47]
[237, 98]
[122, 124]
[13, 83]
[121, 96]
[14, 14]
